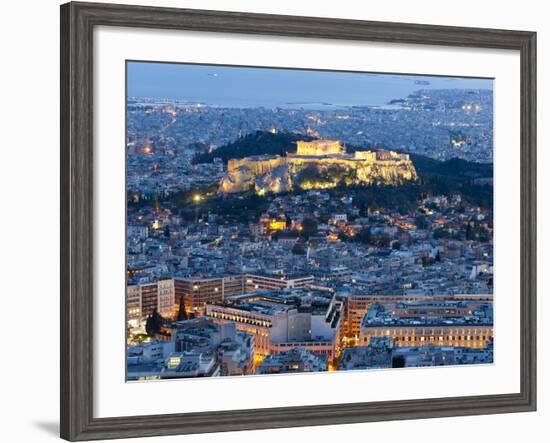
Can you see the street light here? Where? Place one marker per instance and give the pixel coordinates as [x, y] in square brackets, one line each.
[197, 198]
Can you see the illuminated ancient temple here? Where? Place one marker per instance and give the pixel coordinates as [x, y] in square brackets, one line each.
[327, 164]
[319, 147]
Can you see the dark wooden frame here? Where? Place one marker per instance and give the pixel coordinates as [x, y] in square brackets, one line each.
[77, 23]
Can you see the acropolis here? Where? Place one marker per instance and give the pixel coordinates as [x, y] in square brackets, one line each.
[316, 164]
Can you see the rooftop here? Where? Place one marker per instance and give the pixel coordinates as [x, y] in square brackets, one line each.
[429, 313]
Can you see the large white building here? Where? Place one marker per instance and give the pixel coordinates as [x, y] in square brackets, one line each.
[274, 281]
[282, 320]
[456, 323]
[356, 306]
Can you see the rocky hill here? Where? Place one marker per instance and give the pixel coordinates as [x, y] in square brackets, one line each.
[318, 164]
[451, 174]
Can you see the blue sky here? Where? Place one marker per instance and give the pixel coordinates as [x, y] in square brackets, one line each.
[245, 86]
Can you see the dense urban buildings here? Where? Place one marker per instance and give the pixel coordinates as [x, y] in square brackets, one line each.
[309, 236]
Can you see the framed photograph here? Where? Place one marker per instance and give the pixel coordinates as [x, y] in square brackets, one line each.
[273, 221]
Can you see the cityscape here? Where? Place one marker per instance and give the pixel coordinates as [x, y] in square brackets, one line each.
[287, 221]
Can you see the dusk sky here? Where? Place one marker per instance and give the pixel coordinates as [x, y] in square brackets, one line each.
[247, 87]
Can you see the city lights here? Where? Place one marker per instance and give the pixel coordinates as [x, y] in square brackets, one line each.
[309, 235]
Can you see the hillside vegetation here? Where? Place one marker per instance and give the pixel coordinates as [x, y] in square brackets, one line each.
[435, 176]
[257, 143]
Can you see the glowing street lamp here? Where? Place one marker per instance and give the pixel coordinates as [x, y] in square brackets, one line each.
[197, 198]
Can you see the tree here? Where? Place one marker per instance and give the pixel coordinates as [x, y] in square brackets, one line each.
[398, 361]
[427, 261]
[441, 233]
[421, 222]
[182, 313]
[469, 235]
[288, 224]
[483, 234]
[309, 227]
[153, 324]
[364, 236]
[342, 236]
[383, 241]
